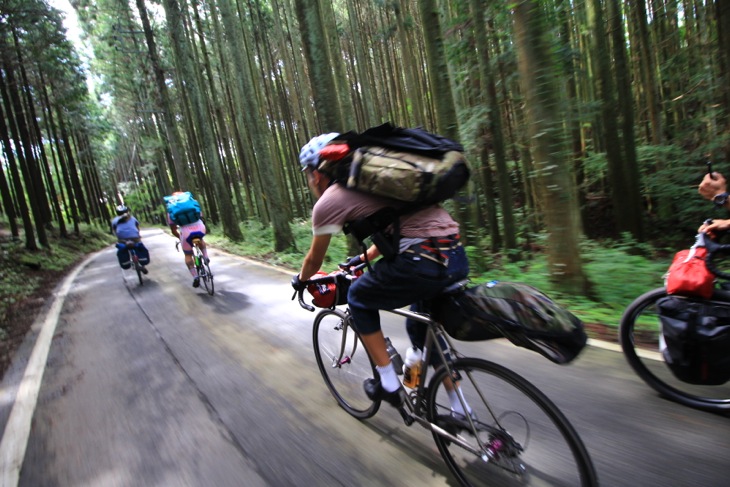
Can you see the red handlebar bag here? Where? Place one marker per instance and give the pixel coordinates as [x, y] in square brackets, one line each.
[688, 275]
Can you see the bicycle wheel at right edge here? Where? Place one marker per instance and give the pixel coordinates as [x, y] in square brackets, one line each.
[521, 437]
[642, 344]
[343, 362]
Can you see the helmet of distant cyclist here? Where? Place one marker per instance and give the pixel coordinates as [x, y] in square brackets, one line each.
[121, 210]
[309, 155]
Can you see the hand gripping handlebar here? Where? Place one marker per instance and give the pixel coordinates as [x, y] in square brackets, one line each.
[345, 272]
[713, 250]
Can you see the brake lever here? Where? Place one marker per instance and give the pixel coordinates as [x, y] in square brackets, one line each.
[302, 303]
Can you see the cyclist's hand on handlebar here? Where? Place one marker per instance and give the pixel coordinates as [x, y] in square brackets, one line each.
[297, 284]
[352, 262]
[714, 227]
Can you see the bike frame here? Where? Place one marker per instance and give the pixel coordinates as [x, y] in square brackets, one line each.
[480, 437]
[412, 410]
[204, 272]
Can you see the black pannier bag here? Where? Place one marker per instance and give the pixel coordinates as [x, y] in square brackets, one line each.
[696, 338]
[125, 261]
[518, 312]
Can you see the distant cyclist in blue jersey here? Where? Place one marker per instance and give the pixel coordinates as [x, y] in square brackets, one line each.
[126, 228]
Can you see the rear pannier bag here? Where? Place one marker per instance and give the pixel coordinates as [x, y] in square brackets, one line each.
[696, 339]
[143, 255]
[518, 312]
[125, 261]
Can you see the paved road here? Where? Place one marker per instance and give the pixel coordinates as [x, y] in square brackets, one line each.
[165, 385]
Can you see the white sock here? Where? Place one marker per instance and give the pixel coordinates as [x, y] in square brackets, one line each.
[388, 377]
[193, 272]
[456, 404]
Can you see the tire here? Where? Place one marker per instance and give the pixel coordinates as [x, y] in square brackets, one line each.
[538, 444]
[138, 268]
[641, 342]
[343, 371]
[207, 277]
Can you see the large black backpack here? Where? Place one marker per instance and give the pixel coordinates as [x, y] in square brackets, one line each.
[410, 165]
[416, 167]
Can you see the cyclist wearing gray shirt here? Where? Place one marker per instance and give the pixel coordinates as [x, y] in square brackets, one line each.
[429, 258]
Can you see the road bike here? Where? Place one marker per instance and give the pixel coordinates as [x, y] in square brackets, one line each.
[134, 258]
[514, 434]
[203, 267]
[643, 344]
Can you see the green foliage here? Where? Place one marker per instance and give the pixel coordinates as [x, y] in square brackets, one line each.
[23, 272]
[136, 198]
[672, 208]
[258, 244]
[669, 178]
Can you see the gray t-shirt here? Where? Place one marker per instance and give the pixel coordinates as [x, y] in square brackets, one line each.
[339, 205]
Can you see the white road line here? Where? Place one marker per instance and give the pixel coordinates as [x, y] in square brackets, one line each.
[17, 430]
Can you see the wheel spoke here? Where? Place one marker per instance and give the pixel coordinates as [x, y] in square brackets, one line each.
[343, 363]
[520, 436]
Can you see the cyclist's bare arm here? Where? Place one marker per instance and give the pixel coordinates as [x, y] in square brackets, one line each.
[173, 229]
[372, 253]
[314, 258]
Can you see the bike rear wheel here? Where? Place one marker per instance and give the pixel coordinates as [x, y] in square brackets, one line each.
[207, 277]
[519, 436]
[343, 362]
[642, 344]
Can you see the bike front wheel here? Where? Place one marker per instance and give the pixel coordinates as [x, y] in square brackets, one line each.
[138, 268]
[516, 435]
[343, 362]
[642, 343]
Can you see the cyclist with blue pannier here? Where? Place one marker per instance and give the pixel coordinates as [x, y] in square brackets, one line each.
[126, 228]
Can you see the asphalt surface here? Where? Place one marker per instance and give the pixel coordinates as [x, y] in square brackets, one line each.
[162, 384]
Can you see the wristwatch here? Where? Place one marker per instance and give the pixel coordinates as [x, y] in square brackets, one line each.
[720, 199]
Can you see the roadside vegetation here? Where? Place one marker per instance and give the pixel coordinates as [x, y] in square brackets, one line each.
[621, 270]
[27, 278]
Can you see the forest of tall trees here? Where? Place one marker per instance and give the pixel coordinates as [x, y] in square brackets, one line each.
[580, 118]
